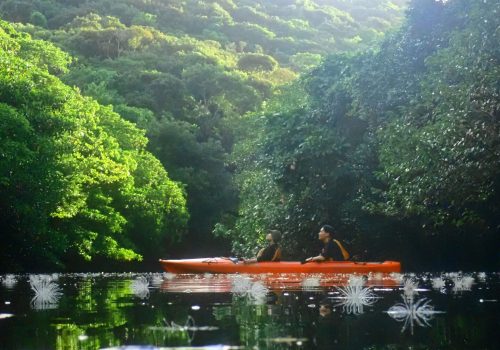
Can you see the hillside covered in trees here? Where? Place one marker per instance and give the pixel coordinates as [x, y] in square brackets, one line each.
[134, 129]
[75, 176]
[184, 72]
[397, 147]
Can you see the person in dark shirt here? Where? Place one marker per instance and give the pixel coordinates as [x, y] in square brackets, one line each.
[270, 253]
[332, 249]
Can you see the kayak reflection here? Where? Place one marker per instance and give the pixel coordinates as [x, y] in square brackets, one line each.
[235, 283]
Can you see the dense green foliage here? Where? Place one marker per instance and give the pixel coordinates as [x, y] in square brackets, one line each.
[281, 28]
[76, 181]
[186, 71]
[398, 148]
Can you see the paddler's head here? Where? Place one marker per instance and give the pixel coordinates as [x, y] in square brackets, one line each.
[325, 233]
[273, 236]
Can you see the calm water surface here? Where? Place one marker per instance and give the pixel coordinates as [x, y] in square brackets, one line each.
[150, 311]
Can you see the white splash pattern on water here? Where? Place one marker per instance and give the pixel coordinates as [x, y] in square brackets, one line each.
[481, 276]
[243, 286]
[397, 277]
[355, 280]
[140, 287]
[411, 312]
[462, 283]
[156, 280]
[310, 283]
[354, 297]
[410, 288]
[9, 281]
[47, 292]
[438, 283]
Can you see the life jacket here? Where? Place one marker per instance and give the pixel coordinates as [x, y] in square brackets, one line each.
[345, 253]
[277, 255]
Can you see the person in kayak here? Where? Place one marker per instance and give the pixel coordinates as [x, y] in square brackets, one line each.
[332, 249]
[270, 253]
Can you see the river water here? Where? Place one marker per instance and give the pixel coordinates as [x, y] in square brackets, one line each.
[160, 310]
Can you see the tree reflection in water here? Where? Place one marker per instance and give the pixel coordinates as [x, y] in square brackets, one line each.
[93, 312]
[189, 328]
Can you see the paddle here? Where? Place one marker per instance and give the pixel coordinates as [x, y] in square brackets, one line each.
[232, 259]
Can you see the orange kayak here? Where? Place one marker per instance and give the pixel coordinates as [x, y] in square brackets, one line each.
[225, 265]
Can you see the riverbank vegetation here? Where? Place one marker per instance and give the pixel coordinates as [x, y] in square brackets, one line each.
[398, 146]
[133, 130]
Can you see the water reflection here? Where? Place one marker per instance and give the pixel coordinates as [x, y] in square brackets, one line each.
[244, 286]
[481, 276]
[438, 283]
[96, 311]
[456, 281]
[47, 292]
[208, 347]
[275, 324]
[239, 284]
[9, 281]
[410, 289]
[462, 283]
[310, 283]
[354, 298]
[326, 326]
[140, 287]
[412, 311]
[157, 279]
[187, 330]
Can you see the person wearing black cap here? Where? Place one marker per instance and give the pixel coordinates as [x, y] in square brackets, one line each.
[332, 249]
[270, 253]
